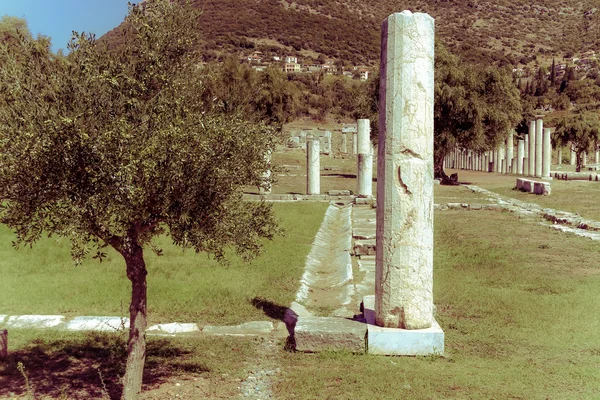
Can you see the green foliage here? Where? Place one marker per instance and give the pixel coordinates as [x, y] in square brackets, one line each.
[581, 132]
[101, 146]
[475, 107]
[13, 27]
[236, 89]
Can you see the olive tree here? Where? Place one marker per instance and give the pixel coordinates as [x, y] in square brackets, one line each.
[581, 132]
[112, 148]
[475, 107]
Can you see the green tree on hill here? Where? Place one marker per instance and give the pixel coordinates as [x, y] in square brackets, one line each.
[475, 107]
[114, 148]
[581, 132]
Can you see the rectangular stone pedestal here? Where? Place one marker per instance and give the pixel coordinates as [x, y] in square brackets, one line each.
[400, 342]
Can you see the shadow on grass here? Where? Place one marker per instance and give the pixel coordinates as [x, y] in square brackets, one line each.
[87, 367]
[272, 310]
[282, 313]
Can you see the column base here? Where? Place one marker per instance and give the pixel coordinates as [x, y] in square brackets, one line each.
[401, 342]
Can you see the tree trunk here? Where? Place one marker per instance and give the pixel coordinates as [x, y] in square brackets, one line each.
[438, 171]
[136, 349]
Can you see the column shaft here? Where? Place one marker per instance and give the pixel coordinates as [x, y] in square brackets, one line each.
[404, 249]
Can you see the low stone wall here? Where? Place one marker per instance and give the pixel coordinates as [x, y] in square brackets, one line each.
[576, 176]
[535, 187]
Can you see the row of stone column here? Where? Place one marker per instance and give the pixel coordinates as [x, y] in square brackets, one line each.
[364, 150]
[533, 154]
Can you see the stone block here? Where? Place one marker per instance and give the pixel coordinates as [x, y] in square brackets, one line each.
[173, 328]
[363, 233]
[527, 185]
[314, 334]
[542, 188]
[339, 199]
[364, 247]
[99, 324]
[34, 321]
[2, 318]
[254, 328]
[363, 200]
[339, 193]
[401, 342]
[315, 197]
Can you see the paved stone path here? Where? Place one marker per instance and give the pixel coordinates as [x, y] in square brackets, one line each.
[561, 220]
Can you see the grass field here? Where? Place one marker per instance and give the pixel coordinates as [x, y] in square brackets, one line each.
[182, 286]
[516, 301]
[574, 196]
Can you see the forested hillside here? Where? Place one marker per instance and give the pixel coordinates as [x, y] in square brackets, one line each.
[504, 31]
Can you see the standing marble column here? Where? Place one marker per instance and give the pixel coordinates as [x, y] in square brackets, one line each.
[531, 148]
[573, 159]
[539, 133]
[354, 143]
[559, 155]
[364, 159]
[404, 249]
[503, 163]
[313, 166]
[546, 153]
[584, 162]
[526, 156]
[266, 187]
[497, 160]
[520, 156]
[509, 152]
[344, 143]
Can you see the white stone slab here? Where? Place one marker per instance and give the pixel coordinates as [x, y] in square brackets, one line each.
[34, 321]
[316, 334]
[401, 342]
[247, 329]
[2, 318]
[99, 324]
[174, 328]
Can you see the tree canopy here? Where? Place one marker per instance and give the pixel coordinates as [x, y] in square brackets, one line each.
[475, 107]
[111, 148]
[581, 132]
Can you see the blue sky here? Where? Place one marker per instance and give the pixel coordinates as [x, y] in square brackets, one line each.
[57, 18]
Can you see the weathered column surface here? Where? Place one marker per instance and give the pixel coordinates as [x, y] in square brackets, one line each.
[344, 144]
[354, 143]
[497, 160]
[313, 167]
[539, 133]
[531, 154]
[509, 151]
[520, 156]
[364, 159]
[526, 156]
[546, 153]
[404, 250]
[266, 187]
[559, 156]
[573, 159]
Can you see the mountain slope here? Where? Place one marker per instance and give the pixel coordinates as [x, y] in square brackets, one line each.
[502, 32]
